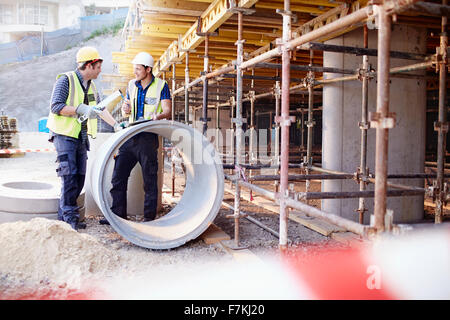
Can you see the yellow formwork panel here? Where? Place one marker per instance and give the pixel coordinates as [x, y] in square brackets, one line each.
[323, 3]
[163, 35]
[295, 8]
[150, 29]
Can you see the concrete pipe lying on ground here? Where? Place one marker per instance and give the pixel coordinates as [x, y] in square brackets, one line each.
[26, 199]
[199, 203]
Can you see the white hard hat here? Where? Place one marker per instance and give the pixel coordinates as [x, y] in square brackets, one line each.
[143, 58]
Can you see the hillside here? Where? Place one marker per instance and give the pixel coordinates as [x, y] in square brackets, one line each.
[26, 87]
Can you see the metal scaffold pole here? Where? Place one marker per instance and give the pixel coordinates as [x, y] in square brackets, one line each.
[173, 119]
[364, 126]
[173, 89]
[253, 152]
[442, 126]
[381, 119]
[276, 143]
[218, 142]
[285, 123]
[310, 123]
[186, 90]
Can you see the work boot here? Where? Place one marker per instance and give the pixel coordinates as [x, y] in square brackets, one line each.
[75, 224]
[81, 225]
[150, 217]
[106, 222]
[103, 221]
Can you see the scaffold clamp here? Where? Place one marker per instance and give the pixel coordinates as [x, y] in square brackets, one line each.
[364, 125]
[284, 121]
[441, 126]
[377, 121]
[239, 121]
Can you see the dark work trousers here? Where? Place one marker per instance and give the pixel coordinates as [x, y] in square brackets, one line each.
[142, 148]
[71, 159]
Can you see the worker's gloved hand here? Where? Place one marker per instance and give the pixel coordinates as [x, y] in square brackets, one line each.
[85, 112]
[119, 126]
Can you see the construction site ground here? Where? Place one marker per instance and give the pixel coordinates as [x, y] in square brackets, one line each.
[215, 247]
[211, 247]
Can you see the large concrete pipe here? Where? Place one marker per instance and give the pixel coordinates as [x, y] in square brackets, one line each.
[197, 207]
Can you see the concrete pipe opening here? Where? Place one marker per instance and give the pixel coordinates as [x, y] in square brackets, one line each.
[28, 185]
[29, 197]
[201, 199]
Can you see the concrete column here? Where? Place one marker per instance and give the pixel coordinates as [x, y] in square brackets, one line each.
[342, 112]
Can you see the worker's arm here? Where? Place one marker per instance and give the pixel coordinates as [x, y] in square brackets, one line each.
[126, 107]
[166, 104]
[59, 98]
[166, 110]
[68, 111]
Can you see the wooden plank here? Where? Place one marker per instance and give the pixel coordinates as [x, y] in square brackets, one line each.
[315, 224]
[430, 203]
[240, 255]
[214, 234]
[299, 8]
[347, 238]
[174, 7]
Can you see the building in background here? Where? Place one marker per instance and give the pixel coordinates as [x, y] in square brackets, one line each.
[95, 7]
[20, 18]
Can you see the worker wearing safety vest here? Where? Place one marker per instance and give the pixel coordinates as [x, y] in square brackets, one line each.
[148, 98]
[72, 118]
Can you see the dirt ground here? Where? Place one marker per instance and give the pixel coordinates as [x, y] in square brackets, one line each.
[127, 264]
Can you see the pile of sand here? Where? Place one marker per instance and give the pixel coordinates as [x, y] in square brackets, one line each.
[50, 253]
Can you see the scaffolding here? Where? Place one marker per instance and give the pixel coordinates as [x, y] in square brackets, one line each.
[306, 37]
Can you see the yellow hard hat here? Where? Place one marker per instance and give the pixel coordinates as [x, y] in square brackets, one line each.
[87, 54]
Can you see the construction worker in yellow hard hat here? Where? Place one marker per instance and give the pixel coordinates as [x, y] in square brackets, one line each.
[72, 117]
[148, 98]
[88, 54]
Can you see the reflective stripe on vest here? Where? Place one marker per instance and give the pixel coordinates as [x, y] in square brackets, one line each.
[69, 125]
[152, 103]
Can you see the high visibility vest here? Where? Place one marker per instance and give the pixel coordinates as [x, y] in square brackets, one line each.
[152, 103]
[69, 125]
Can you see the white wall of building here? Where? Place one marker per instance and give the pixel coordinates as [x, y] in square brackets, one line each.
[21, 17]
